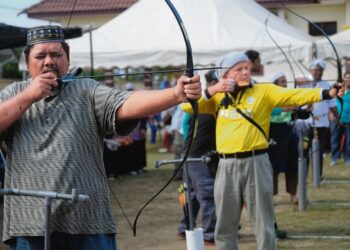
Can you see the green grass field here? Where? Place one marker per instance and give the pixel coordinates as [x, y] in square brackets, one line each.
[159, 221]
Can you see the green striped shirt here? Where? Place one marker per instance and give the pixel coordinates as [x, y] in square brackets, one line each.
[57, 146]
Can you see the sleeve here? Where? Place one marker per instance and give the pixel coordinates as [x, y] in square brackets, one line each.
[106, 103]
[332, 103]
[6, 94]
[276, 111]
[9, 92]
[205, 106]
[326, 85]
[292, 97]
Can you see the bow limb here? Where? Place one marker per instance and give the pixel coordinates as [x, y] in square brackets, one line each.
[194, 104]
[283, 53]
[295, 85]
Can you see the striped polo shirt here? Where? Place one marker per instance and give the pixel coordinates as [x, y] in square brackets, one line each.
[57, 146]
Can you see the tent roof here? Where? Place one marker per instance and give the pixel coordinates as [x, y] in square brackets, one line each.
[147, 34]
[341, 41]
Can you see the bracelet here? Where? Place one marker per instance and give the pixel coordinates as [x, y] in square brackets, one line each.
[325, 94]
[206, 93]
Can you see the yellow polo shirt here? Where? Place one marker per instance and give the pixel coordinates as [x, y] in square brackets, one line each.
[233, 132]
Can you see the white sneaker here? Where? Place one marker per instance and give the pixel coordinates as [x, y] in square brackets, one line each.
[133, 172]
[162, 150]
[333, 163]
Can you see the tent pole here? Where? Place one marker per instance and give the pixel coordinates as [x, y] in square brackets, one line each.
[91, 52]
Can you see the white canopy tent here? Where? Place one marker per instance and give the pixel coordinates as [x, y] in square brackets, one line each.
[147, 34]
[341, 41]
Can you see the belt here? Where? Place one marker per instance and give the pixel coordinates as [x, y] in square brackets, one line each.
[246, 154]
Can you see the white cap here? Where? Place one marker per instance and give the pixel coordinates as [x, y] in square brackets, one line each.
[228, 61]
[129, 86]
[277, 75]
[318, 63]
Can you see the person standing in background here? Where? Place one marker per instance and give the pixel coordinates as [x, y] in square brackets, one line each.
[320, 111]
[340, 132]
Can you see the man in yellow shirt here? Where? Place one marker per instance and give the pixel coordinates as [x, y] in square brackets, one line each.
[244, 172]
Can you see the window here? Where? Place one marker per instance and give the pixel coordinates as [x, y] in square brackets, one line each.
[329, 27]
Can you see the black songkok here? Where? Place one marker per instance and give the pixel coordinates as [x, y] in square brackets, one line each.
[45, 34]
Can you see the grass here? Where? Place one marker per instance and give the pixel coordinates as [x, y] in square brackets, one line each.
[156, 229]
[321, 217]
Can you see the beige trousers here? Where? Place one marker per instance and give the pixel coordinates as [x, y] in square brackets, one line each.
[244, 180]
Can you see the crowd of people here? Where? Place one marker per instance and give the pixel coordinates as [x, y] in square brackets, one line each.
[61, 135]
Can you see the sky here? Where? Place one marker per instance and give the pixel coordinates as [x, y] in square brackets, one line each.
[9, 10]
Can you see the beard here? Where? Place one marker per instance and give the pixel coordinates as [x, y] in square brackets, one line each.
[53, 69]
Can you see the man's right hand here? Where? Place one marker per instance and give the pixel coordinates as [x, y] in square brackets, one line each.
[224, 85]
[41, 86]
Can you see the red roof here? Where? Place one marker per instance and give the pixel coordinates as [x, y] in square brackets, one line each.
[277, 3]
[65, 7]
[288, 1]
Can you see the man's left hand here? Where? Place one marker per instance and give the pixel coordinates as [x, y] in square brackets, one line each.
[188, 88]
[336, 90]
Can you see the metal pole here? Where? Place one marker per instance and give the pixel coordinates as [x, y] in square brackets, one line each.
[302, 174]
[302, 185]
[48, 203]
[188, 198]
[302, 171]
[194, 236]
[48, 195]
[203, 159]
[319, 237]
[91, 52]
[316, 162]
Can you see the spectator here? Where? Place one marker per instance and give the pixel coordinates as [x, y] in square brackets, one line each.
[320, 110]
[254, 58]
[283, 152]
[340, 133]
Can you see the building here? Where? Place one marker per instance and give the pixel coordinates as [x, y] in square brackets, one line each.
[332, 16]
[80, 13]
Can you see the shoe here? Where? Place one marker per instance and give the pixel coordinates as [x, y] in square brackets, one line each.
[333, 163]
[141, 171]
[280, 234]
[181, 235]
[294, 199]
[163, 150]
[133, 172]
[209, 242]
[111, 178]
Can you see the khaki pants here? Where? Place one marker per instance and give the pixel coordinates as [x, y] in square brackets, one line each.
[244, 180]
